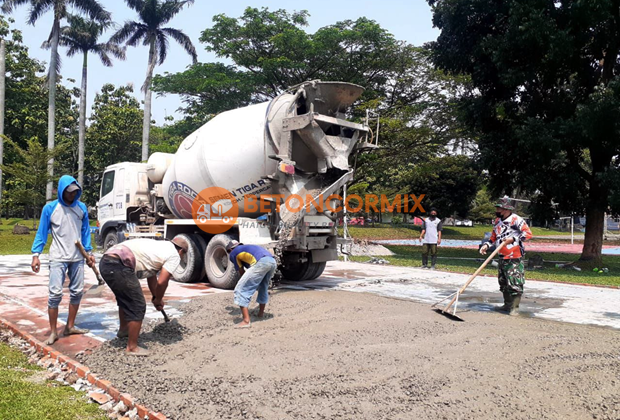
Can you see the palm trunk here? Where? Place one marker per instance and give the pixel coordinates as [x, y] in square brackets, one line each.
[82, 134]
[51, 112]
[146, 126]
[2, 96]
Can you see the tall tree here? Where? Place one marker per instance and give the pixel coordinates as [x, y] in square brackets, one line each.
[545, 101]
[82, 36]
[30, 173]
[272, 51]
[91, 8]
[114, 131]
[150, 30]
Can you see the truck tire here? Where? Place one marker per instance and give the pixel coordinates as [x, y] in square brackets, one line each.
[111, 239]
[303, 271]
[202, 248]
[220, 271]
[295, 272]
[316, 270]
[191, 264]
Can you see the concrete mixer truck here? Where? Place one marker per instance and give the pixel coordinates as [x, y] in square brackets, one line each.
[296, 145]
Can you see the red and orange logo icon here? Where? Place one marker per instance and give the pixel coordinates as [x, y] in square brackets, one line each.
[215, 210]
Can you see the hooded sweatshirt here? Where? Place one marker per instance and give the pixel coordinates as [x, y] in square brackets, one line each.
[66, 223]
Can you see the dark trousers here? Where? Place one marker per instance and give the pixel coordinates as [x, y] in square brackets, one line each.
[426, 249]
[126, 287]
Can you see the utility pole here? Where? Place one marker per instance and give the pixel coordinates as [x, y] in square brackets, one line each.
[2, 95]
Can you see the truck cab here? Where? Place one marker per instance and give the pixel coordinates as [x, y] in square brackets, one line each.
[124, 200]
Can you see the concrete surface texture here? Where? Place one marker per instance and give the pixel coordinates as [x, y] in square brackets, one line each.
[23, 297]
[23, 301]
[341, 355]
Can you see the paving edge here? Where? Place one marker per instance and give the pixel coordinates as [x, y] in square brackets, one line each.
[83, 372]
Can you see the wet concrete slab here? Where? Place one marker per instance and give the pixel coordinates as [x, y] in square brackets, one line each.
[23, 297]
[553, 301]
[23, 301]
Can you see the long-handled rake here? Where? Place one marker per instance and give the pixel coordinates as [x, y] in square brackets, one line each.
[455, 296]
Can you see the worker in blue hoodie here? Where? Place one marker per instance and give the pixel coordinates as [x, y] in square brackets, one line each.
[66, 219]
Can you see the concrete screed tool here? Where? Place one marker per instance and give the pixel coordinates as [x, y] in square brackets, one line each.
[95, 289]
[455, 296]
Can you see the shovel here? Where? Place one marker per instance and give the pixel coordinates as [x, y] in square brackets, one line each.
[455, 296]
[95, 289]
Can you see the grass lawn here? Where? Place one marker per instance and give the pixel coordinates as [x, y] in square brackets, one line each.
[21, 244]
[410, 256]
[475, 232]
[26, 395]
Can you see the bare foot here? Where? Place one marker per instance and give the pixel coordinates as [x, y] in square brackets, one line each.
[74, 330]
[52, 338]
[122, 333]
[138, 351]
[243, 324]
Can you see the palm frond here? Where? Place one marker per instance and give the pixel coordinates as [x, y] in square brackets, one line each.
[9, 5]
[105, 50]
[37, 9]
[125, 31]
[170, 8]
[105, 58]
[91, 8]
[162, 47]
[137, 36]
[183, 40]
[136, 5]
[73, 50]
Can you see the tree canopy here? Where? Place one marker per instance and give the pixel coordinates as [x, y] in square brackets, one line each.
[545, 98]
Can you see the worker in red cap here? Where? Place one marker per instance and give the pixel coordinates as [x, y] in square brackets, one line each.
[124, 264]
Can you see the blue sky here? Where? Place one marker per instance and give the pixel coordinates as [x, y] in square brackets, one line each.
[407, 20]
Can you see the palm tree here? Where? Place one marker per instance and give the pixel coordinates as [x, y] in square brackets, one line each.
[81, 36]
[153, 14]
[91, 8]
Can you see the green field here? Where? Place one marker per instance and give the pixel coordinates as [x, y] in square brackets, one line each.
[21, 244]
[410, 256]
[476, 232]
[25, 394]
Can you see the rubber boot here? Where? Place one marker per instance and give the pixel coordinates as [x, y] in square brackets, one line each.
[424, 261]
[514, 307]
[433, 261]
[507, 303]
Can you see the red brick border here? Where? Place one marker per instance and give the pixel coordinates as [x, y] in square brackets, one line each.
[82, 371]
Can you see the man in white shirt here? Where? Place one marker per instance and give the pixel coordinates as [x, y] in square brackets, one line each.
[430, 238]
[122, 266]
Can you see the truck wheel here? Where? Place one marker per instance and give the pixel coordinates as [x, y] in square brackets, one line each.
[303, 271]
[202, 247]
[295, 272]
[191, 263]
[111, 239]
[220, 271]
[316, 271]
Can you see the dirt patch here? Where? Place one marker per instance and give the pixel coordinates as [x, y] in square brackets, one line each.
[365, 248]
[328, 354]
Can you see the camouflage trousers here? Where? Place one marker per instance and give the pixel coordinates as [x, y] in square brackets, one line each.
[511, 276]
